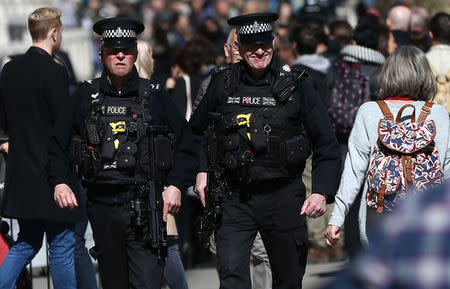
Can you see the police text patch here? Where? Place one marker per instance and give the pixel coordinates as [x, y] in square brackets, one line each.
[252, 100]
[115, 110]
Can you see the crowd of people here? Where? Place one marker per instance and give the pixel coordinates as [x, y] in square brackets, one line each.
[324, 129]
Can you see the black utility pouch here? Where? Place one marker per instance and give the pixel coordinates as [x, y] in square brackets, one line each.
[126, 161]
[108, 148]
[231, 142]
[129, 148]
[257, 136]
[298, 150]
[230, 161]
[163, 152]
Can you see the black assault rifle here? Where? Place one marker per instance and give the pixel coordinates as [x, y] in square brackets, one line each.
[215, 185]
[151, 214]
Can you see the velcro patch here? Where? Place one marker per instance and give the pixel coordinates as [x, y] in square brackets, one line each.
[115, 110]
[252, 100]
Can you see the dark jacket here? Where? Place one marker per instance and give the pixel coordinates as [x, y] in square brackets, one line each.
[305, 108]
[178, 93]
[317, 80]
[33, 101]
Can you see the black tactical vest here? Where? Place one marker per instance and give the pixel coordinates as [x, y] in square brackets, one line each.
[115, 138]
[256, 141]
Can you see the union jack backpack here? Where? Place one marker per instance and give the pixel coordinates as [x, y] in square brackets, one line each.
[405, 158]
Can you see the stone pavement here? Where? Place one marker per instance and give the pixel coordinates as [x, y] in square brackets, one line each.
[206, 278]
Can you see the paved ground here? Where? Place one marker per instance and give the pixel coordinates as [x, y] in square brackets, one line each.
[206, 278]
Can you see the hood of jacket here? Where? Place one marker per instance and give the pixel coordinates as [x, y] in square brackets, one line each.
[357, 54]
[314, 61]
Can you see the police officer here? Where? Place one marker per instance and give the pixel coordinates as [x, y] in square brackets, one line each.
[270, 117]
[117, 115]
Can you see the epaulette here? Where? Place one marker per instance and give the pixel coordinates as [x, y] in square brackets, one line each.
[90, 83]
[220, 69]
[149, 85]
[292, 72]
[286, 82]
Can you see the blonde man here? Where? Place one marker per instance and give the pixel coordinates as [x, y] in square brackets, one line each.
[33, 98]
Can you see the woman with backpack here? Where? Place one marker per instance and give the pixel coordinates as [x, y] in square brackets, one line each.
[398, 144]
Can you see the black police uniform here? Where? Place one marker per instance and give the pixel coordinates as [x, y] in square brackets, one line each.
[115, 163]
[262, 150]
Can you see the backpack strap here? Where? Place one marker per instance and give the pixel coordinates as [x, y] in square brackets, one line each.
[384, 108]
[426, 109]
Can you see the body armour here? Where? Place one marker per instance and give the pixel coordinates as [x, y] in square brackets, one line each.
[117, 144]
[256, 141]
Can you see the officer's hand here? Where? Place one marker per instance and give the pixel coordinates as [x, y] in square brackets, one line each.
[4, 147]
[172, 201]
[332, 235]
[200, 186]
[64, 197]
[314, 206]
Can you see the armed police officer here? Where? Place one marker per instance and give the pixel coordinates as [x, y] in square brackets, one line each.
[132, 142]
[269, 118]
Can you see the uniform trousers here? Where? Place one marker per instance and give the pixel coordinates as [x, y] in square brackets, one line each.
[273, 209]
[124, 260]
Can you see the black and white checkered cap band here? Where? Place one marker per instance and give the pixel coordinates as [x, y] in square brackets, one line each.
[119, 33]
[256, 27]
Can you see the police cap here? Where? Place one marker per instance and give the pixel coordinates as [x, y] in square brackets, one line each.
[255, 27]
[118, 32]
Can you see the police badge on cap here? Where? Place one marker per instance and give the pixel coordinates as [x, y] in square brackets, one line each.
[255, 27]
[118, 32]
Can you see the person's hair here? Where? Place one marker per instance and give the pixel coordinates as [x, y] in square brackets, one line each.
[418, 18]
[366, 36]
[316, 24]
[231, 35]
[407, 73]
[305, 39]
[144, 65]
[440, 27]
[370, 20]
[198, 52]
[342, 32]
[283, 42]
[42, 20]
[383, 39]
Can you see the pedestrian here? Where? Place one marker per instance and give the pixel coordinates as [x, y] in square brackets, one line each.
[262, 156]
[117, 114]
[399, 21]
[439, 56]
[40, 186]
[406, 83]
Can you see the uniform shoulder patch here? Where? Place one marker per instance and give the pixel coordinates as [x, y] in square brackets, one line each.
[150, 85]
[91, 85]
[220, 69]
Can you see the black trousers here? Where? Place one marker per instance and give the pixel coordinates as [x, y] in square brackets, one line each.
[274, 210]
[123, 261]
